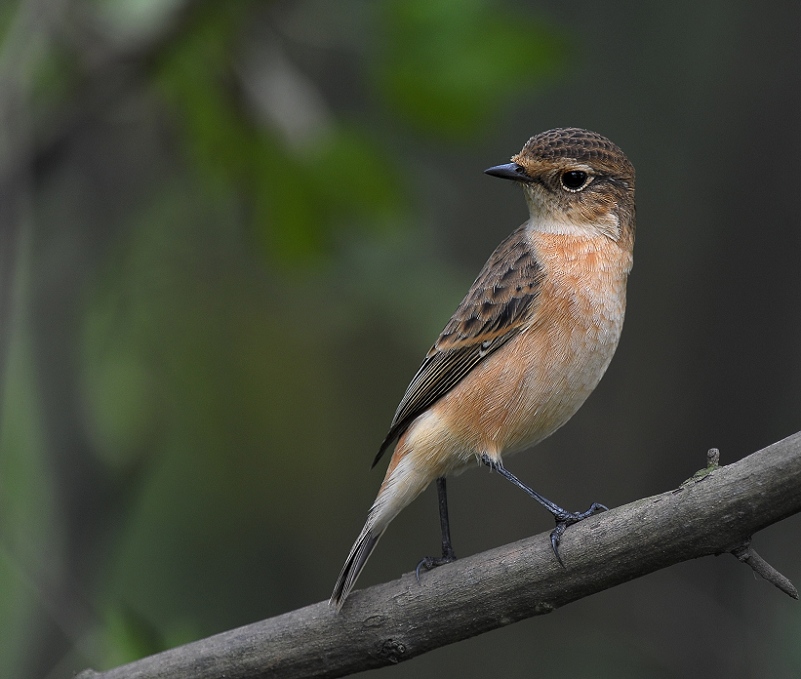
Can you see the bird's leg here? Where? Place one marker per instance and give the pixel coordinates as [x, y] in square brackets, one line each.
[448, 555]
[563, 517]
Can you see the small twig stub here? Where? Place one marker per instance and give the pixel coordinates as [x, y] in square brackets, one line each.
[748, 556]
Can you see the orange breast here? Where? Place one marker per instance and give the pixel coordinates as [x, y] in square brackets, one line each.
[534, 384]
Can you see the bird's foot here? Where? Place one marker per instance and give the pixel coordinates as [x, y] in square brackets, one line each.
[565, 519]
[429, 563]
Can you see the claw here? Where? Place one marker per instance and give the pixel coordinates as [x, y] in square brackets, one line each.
[432, 562]
[556, 536]
[565, 519]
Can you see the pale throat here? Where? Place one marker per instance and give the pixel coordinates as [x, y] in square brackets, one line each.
[605, 223]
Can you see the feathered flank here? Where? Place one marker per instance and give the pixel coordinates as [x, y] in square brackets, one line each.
[495, 310]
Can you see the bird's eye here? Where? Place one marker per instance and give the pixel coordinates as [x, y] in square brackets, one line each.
[574, 180]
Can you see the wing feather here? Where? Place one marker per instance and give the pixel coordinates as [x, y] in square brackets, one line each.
[497, 307]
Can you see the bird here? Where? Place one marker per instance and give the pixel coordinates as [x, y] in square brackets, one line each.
[525, 347]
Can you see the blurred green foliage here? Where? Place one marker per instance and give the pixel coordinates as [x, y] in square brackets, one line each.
[203, 277]
[448, 67]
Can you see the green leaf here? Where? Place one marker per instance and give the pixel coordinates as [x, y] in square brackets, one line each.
[295, 198]
[448, 66]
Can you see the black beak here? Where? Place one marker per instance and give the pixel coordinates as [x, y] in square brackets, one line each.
[511, 171]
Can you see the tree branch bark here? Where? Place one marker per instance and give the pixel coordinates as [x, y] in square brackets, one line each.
[712, 513]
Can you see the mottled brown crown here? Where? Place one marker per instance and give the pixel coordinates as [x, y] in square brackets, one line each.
[580, 145]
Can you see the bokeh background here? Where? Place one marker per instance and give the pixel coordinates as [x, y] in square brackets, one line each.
[230, 231]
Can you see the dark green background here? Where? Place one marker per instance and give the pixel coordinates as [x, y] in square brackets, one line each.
[230, 231]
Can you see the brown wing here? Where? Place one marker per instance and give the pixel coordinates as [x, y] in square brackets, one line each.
[495, 309]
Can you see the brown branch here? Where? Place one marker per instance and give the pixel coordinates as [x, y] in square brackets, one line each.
[713, 513]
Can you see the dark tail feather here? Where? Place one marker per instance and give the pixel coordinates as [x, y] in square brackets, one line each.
[359, 553]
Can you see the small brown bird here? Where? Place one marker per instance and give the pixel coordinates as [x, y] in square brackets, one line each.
[528, 343]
